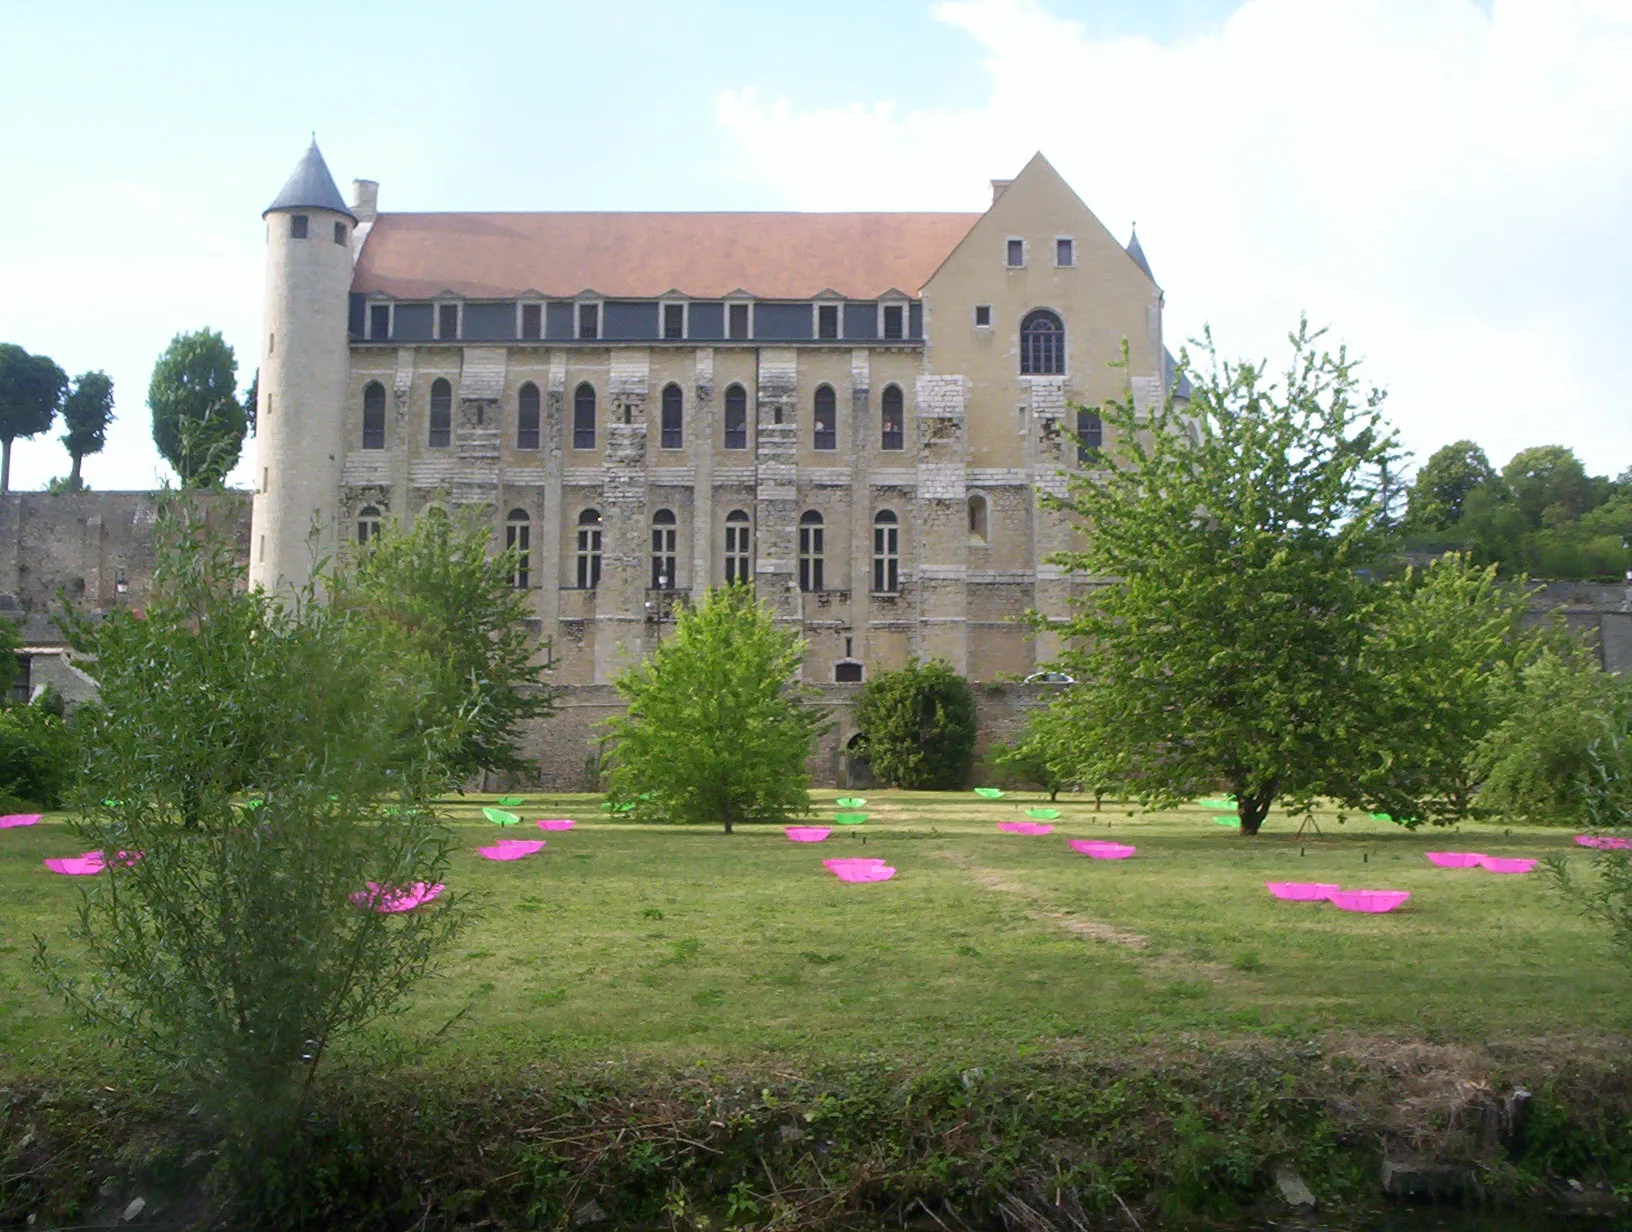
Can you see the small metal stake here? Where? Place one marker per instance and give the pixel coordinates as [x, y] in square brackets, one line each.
[1365, 857]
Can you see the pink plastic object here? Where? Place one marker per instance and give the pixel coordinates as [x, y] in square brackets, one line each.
[859, 868]
[839, 862]
[89, 863]
[558, 823]
[19, 819]
[1494, 864]
[390, 899]
[1099, 849]
[807, 834]
[1024, 827]
[1456, 859]
[1603, 841]
[1301, 891]
[1372, 901]
[512, 849]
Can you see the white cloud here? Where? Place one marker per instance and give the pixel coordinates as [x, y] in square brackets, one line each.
[1448, 188]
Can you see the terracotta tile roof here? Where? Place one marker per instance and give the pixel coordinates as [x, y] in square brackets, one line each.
[641, 256]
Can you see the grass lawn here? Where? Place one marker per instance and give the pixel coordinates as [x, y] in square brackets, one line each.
[628, 941]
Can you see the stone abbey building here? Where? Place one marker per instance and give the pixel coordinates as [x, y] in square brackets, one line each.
[853, 411]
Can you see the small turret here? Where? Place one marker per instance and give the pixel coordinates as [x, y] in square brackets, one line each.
[305, 357]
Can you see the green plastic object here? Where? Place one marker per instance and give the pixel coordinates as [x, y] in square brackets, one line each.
[1233, 821]
[1216, 804]
[849, 819]
[511, 801]
[500, 817]
[988, 793]
[1043, 814]
[608, 807]
[850, 801]
[1380, 817]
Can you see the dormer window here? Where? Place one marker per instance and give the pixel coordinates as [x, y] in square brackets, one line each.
[674, 321]
[1065, 254]
[447, 321]
[589, 321]
[894, 321]
[827, 320]
[1017, 253]
[737, 317]
[532, 321]
[379, 322]
[298, 226]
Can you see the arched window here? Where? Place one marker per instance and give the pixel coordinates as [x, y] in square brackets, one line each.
[736, 417]
[827, 418]
[368, 525]
[847, 673]
[977, 518]
[886, 553]
[1042, 344]
[589, 549]
[810, 551]
[663, 538]
[739, 557]
[441, 414]
[1090, 435]
[527, 417]
[518, 538]
[894, 419]
[583, 417]
[673, 409]
[374, 416]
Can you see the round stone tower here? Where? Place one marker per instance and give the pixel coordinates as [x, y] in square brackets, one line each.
[305, 357]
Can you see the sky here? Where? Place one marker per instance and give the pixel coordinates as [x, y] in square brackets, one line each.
[1446, 184]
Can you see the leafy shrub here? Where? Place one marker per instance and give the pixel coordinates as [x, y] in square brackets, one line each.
[38, 755]
[918, 726]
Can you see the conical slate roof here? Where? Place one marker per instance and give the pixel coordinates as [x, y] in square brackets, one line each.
[311, 187]
[1134, 251]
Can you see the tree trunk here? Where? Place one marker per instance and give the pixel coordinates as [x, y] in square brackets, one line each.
[5, 464]
[1253, 807]
[74, 483]
[728, 817]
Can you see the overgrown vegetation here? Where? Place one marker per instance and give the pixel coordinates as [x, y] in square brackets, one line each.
[38, 755]
[718, 728]
[918, 726]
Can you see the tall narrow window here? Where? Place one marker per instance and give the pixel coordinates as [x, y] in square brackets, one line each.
[1042, 344]
[673, 410]
[527, 416]
[441, 414]
[827, 418]
[674, 320]
[518, 538]
[374, 416]
[583, 417]
[977, 518]
[368, 525]
[589, 320]
[736, 417]
[447, 322]
[827, 320]
[893, 421]
[663, 539]
[1017, 253]
[1064, 252]
[810, 551]
[886, 553]
[894, 320]
[339, 233]
[532, 320]
[379, 322]
[298, 224]
[1090, 436]
[589, 549]
[738, 318]
[739, 556]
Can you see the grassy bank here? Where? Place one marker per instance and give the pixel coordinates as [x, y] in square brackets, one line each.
[1003, 1017]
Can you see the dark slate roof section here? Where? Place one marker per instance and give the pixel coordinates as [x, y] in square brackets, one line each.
[1181, 391]
[311, 187]
[1134, 251]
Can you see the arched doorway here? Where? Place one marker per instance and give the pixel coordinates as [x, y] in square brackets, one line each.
[854, 769]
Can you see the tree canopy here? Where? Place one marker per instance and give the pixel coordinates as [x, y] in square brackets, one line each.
[1232, 537]
[87, 411]
[1440, 492]
[718, 728]
[31, 389]
[918, 726]
[198, 422]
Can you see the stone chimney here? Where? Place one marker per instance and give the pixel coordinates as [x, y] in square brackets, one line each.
[365, 196]
[997, 191]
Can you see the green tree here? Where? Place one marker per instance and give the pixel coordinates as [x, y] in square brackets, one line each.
[1536, 762]
[437, 597]
[1441, 489]
[1605, 898]
[31, 389]
[1042, 754]
[1442, 642]
[918, 726]
[1548, 484]
[9, 642]
[717, 727]
[88, 410]
[232, 951]
[252, 403]
[1223, 651]
[198, 422]
[38, 755]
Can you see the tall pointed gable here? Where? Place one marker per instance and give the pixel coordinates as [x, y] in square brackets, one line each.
[311, 187]
[1138, 254]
